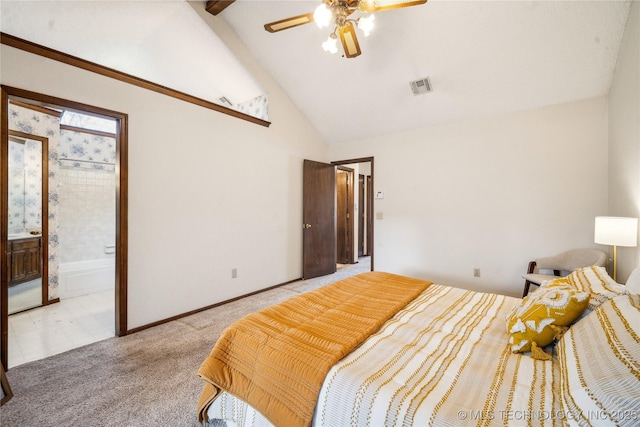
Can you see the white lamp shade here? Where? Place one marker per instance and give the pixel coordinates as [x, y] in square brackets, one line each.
[322, 16]
[365, 24]
[616, 231]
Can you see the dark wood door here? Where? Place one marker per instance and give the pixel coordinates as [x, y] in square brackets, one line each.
[361, 216]
[369, 208]
[319, 219]
[343, 248]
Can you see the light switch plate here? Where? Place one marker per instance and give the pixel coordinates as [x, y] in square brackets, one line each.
[379, 195]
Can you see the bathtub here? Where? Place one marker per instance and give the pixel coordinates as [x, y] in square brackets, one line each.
[86, 277]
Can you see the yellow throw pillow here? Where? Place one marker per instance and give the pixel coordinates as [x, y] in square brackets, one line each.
[544, 316]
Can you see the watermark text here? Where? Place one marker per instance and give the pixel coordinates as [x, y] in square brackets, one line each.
[525, 415]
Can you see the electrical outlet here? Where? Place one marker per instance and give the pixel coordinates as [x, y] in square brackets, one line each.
[234, 273]
[476, 272]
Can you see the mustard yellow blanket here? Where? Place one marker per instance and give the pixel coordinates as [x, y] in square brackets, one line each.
[276, 359]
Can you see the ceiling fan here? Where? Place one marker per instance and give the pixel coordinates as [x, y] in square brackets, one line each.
[337, 12]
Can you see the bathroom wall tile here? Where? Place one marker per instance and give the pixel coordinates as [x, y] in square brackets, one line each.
[88, 219]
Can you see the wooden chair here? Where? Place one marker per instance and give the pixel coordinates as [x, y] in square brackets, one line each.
[6, 389]
[560, 265]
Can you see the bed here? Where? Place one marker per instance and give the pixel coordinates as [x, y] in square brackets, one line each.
[381, 349]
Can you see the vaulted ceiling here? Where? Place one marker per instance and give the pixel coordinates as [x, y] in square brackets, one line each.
[482, 58]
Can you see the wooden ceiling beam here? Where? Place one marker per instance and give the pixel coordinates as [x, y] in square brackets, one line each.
[214, 7]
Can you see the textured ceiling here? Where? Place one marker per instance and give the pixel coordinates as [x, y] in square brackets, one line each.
[482, 57]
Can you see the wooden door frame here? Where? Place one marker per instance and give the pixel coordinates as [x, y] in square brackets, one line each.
[361, 215]
[369, 207]
[364, 160]
[353, 257]
[122, 172]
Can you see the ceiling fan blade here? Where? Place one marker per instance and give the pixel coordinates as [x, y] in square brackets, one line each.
[287, 23]
[214, 7]
[381, 5]
[349, 41]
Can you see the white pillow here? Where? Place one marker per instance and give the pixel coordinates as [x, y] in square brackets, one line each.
[596, 281]
[633, 282]
[599, 358]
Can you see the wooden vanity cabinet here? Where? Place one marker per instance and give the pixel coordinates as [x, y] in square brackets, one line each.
[24, 259]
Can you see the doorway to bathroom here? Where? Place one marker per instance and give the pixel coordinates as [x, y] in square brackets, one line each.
[85, 244]
[84, 249]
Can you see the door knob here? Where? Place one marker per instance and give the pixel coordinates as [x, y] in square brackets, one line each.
[306, 226]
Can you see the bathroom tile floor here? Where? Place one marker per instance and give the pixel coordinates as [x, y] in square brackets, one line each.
[56, 328]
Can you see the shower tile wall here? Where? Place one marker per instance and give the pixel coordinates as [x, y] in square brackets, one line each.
[87, 213]
[87, 196]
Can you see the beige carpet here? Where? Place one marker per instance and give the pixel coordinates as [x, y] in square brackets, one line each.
[144, 379]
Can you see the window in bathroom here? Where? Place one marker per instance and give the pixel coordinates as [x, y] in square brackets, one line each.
[85, 121]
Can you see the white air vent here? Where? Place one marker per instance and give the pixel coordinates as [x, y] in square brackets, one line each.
[421, 86]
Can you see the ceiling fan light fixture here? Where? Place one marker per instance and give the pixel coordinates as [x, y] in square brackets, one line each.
[365, 24]
[338, 14]
[349, 40]
[331, 44]
[366, 5]
[322, 16]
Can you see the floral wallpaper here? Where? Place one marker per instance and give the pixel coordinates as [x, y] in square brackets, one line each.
[16, 186]
[16, 199]
[87, 151]
[25, 189]
[257, 107]
[41, 124]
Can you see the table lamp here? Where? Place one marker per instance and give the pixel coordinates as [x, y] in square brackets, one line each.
[616, 231]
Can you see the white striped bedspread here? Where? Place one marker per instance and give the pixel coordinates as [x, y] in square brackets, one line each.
[444, 360]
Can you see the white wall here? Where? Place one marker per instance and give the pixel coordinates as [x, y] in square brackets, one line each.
[624, 137]
[492, 194]
[207, 192]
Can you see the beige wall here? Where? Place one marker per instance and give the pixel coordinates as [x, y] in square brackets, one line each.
[492, 193]
[207, 192]
[624, 137]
